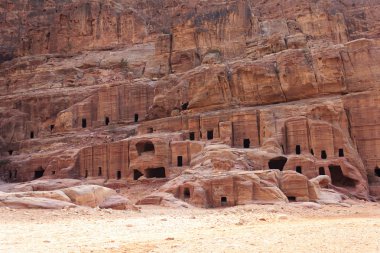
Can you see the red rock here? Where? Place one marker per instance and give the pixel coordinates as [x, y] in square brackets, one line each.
[117, 202]
[208, 94]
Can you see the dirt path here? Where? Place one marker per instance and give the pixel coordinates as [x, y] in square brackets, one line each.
[252, 228]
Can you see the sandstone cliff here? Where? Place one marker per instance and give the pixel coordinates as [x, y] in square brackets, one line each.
[123, 90]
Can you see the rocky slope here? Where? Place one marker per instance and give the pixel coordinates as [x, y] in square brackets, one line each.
[125, 91]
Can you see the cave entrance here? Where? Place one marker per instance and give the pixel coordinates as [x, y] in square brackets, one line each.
[210, 134]
[137, 174]
[84, 123]
[186, 193]
[323, 154]
[31, 135]
[299, 169]
[99, 171]
[39, 172]
[86, 174]
[155, 172]
[292, 199]
[144, 146]
[51, 127]
[118, 175]
[192, 136]
[136, 117]
[322, 171]
[338, 179]
[277, 163]
[298, 149]
[246, 143]
[223, 201]
[312, 151]
[179, 161]
[377, 171]
[341, 152]
[184, 106]
[107, 121]
[10, 152]
[15, 174]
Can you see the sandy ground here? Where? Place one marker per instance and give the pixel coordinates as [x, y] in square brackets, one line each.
[250, 228]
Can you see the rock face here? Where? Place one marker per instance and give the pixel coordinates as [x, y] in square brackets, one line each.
[81, 195]
[253, 98]
[220, 176]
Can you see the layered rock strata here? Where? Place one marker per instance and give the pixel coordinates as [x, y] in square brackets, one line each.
[126, 90]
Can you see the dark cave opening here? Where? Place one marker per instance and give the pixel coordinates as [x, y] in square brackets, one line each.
[338, 179]
[192, 136]
[186, 193]
[155, 172]
[223, 201]
[246, 143]
[277, 163]
[210, 134]
[341, 152]
[84, 123]
[323, 154]
[144, 146]
[298, 149]
[39, 173]
[179, 161]
[137, 174]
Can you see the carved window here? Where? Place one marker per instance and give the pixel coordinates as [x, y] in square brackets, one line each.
[179, 161]
[223, 201]
[298, 149]
[186, 193]
[84, 123]
[246, 143]
[210, 134]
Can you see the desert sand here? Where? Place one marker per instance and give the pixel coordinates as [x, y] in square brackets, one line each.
[294, 227]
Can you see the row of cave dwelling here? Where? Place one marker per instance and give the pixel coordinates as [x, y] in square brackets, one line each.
[165, 147]
[238, 129]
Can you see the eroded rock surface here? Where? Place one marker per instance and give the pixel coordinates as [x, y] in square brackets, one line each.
[81, 195]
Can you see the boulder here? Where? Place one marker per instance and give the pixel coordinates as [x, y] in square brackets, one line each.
[294, 184]
[117, 202]
[34, 203]
[150, 200]
[328, 196]
[56, 195]
[41, 185]
[89, 195]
